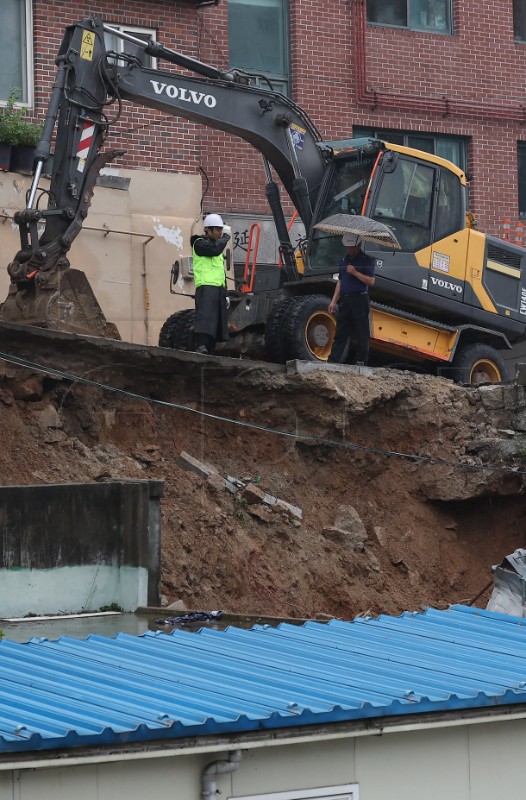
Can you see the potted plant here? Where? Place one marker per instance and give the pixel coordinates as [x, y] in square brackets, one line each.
[10, 121]
[19, 136]
[23, 154]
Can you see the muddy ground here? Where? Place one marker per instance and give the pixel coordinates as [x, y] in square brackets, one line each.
[410, 487]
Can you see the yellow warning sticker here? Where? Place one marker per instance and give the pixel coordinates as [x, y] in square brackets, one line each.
[88, 45]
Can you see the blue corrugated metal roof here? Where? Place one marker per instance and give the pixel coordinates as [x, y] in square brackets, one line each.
[74, 692]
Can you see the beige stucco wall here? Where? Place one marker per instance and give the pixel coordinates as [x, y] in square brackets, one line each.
[150, 226]
[475, 762]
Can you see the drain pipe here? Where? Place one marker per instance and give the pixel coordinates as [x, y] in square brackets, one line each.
[209, 773]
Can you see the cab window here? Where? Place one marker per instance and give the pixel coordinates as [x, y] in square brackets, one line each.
[348, 188]
[344, 194]
[449, 209]
[405, 201]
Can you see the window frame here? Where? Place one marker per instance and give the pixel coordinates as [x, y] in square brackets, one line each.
[133, 30]
[28, 63]
[285, 78]
[383, 133]
[517, 37]
[410, 27]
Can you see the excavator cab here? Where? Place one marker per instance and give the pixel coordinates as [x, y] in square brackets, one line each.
[469, 285]
[421, 197]
[416, 195]
[344, 191]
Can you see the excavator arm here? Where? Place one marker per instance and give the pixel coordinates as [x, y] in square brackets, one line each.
[267, 120]
[90, 85]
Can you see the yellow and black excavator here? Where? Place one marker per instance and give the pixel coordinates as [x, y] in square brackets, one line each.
[450, 299]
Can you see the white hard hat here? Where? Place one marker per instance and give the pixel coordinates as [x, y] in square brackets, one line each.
[350, 240]
[213, 221]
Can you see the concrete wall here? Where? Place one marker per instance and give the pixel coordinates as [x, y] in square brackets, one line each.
[471, 762]
[77, 547]
[126, 248]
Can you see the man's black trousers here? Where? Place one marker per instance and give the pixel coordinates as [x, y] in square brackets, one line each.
[352, 323]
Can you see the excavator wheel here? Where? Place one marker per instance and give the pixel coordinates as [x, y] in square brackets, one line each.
[479, 363]
[177, 332]
[308, 329]
[274, 344]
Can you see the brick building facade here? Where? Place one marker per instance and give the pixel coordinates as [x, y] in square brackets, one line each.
[454, 84]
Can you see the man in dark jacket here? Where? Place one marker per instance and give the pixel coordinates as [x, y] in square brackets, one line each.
[352, 297]
[211, 321]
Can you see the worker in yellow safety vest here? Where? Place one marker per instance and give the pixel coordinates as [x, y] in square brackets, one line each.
[211, 321]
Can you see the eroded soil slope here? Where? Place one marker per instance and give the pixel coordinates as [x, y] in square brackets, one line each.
[379, 532]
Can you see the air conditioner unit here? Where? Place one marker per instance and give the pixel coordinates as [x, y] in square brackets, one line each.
[187, 268]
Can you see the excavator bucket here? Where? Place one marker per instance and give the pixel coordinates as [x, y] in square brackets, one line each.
[61, 301]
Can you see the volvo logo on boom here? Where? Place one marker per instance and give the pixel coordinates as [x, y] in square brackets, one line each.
[187, 95]
[446, 284]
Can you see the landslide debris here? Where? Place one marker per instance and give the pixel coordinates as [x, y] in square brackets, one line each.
[410, 487]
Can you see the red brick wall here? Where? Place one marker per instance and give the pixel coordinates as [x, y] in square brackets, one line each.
[468, 84]
[150, 141]
[478, 70]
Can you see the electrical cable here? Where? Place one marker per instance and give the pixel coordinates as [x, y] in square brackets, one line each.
[218, 49]
[300, 437]
[207, 186]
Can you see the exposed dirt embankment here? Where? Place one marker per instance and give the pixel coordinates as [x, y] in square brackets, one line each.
[395, 473]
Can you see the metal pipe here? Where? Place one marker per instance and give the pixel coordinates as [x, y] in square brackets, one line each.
[153, 48]
[146, 290]
[126, 36]
[44, 146]
[209, 773]
[34, 185]
[404, 102]
[267, 168]
[105, 230]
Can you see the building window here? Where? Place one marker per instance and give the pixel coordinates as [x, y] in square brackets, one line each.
[119, 45]
[258, 40]
[521, 161]
[419, 15]
[16, 49]
[452, 148]
[347, 792]
[519, 20]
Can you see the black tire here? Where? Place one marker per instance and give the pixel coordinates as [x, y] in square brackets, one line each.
[177, 333]
[478, 363]
[308, 329]
[274, 344]
[169, 333]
